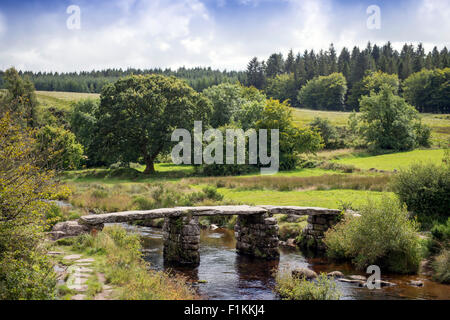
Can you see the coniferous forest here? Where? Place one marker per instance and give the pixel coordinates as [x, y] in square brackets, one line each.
[281, 77]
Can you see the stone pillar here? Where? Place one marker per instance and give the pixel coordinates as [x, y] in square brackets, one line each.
[181, 241]
[257, 236]
[314, 232]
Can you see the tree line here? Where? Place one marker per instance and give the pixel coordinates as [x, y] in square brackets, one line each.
[283, 78]
[317, 80]
[94, 81]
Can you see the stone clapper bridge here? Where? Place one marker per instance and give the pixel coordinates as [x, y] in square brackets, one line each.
[256, 230]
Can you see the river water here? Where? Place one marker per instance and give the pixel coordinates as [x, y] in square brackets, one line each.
[223, 274]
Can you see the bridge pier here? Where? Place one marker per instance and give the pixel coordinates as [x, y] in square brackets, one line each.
[257, 236]
[181, 241]
[314, 232]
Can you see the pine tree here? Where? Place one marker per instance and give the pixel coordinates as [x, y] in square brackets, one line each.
[290, 62]
[332, 60]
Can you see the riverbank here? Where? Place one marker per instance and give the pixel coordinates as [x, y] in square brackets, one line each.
[109, 265]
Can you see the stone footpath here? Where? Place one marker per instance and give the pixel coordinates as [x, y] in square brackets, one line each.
[76, 275]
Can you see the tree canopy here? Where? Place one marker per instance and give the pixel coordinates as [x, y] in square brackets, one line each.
[137, 115]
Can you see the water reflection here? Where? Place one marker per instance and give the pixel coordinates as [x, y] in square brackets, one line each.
[223, 274]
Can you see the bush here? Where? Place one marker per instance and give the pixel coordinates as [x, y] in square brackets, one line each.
[425, 189]
[61, 147]
[293, 141]
[441, 267]
[441, 232]
[383, 235]
[292, 288]
[324, 92]
[373, 81]
[428, 90]
[290, 230]
[387, 122]
[29, 277]
[53, 215]
[327, 131]
[25, 271]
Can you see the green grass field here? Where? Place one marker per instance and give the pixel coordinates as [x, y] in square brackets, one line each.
[440, 124]
[393, 161]
[315, 198]
[62, 100]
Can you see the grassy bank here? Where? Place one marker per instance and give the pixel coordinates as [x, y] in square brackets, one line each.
[118, 256]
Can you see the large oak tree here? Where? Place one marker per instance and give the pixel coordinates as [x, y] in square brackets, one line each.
[138, 114]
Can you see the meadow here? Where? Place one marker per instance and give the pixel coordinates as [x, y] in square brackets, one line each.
[344, 178]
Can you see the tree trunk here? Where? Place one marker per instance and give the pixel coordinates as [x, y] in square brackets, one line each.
[150, 166]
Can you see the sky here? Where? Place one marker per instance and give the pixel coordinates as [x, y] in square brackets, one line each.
[49, 35]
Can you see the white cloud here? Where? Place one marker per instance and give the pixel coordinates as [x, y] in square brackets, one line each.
[178, 33]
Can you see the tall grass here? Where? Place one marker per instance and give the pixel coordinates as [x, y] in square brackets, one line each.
[293, 288]
[100, 198]
[324, 182]
[124, 267]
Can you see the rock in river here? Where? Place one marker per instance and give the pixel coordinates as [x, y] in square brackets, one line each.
[306, 273]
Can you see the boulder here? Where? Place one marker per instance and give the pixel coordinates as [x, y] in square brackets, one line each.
[384, 283]
[416, 283]
[335, 274]
[305, 273]
[68, 229]
[360, 283]
[290, 243]
[357, 277]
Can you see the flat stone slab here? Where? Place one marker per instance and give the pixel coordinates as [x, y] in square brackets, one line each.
[54, 253]
[128, 216]
[78, 287]
[79, 297]
[85, 260]
[84, 264]
[82, 270]
[72, 257]
[299, 211]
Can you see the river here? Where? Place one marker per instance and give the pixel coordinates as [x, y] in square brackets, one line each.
[223, 274]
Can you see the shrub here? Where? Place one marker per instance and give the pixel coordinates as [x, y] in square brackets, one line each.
[143, 203]
[293, 141]
[290, 230]
[29, 277]
[25, 271]
[52, 216]
[292, 288]
[388, 122]
[424, 188]
[383, 235]
[441, 232]
[324, 92]
[441, 267]
[427, 90]
[327, 131]
[212, 193]
[373, 81]
[61, 147]
[83, 124]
